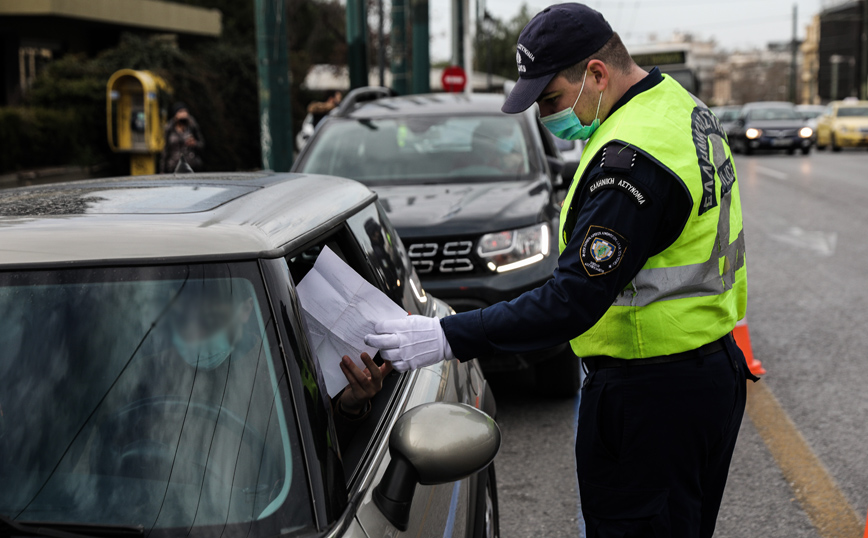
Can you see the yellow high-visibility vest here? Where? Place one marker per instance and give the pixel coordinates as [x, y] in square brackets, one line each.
[695, 291]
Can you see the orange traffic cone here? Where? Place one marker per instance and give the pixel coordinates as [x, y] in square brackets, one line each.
[742, 338]
[866, 528]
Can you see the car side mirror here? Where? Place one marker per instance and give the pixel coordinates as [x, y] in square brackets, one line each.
[433, 444]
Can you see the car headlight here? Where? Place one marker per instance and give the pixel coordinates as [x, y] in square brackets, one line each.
[753, 133]
[513, 249]
[806, 132]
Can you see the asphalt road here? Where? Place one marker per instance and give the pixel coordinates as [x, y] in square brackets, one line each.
[806, 222]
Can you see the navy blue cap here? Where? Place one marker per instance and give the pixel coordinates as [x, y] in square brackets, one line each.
[558, 37]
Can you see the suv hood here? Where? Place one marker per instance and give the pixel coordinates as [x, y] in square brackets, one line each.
[464, 208]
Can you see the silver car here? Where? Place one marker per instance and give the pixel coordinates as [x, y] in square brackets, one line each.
[157, 376]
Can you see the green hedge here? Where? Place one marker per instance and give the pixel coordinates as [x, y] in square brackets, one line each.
[38, 137]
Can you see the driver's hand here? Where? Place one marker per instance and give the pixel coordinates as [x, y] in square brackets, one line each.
[363, 385]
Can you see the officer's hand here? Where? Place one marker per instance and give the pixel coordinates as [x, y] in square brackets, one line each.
[410, 343]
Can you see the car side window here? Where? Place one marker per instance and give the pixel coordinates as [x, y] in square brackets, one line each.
[388, 258]
[355, 438]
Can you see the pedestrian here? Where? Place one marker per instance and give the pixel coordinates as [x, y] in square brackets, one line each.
[183, 142]
[320, 109]
[650, 282]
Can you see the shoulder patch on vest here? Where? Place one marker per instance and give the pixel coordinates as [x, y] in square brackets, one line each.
[602, 250]
[625, 184]
[618, 157]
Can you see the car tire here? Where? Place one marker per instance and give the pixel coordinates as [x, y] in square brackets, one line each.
[791, 151]
[806, 150]
[835, 146]
[559, 376]
[747, 150]
[820, 148]
[486, 518]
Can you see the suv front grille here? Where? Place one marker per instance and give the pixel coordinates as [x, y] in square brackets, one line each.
[442, 257]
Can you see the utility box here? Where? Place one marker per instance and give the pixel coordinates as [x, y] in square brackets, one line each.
[136, 104]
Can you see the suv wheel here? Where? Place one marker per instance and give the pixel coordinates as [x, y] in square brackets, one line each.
[559, 376]
[835, 146]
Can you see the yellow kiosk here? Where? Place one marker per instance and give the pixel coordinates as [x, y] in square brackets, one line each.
[135, 117]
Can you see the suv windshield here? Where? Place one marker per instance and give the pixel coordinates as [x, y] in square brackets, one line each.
[421, 149]
[776, 113]
[146, 396]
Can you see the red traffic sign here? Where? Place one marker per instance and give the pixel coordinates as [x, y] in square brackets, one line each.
[454, 79]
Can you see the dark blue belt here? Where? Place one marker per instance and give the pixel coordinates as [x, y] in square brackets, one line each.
[600, 362]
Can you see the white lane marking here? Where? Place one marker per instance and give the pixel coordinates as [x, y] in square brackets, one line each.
[821, 243]
[777, 174]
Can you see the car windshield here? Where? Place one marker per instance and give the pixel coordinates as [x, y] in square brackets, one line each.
[146, 396]
[421, 149]
[776, 113]
[853, 112]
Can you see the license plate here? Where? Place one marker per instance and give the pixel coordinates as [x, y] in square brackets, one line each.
[782, 142]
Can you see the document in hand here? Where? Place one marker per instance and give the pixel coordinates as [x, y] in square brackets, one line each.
[340, 308]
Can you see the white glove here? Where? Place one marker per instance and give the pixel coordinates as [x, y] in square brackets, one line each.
[410, 343]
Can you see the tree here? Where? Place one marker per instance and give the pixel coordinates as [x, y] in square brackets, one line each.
[496, 41]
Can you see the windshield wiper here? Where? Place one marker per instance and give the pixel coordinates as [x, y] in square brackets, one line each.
[60, 529]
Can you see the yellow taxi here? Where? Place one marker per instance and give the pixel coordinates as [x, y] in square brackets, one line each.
[843, 124]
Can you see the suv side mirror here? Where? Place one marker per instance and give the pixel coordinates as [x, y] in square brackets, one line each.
[568, 173]
[433, 444]
[562, 172]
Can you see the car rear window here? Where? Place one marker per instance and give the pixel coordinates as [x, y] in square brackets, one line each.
[147, 396]
[424, 148]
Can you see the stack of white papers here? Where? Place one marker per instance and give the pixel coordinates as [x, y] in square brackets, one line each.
[340, 308]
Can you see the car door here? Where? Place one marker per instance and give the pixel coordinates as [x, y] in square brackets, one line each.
[440, 510]
[824, 126]
[369, 244]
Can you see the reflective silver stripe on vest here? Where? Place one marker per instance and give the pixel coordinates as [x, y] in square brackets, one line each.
[696, 280]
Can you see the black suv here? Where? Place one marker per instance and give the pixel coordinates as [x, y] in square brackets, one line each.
[474, 193]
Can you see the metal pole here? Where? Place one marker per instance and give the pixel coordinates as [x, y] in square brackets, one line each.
[793, 64]
[835, 59]
[399, 47]
[381, 45]
[421, 55]
[488, 33]
[357, 43]
[272, 50]
[467, 47]
[864, 50]
[458, 32]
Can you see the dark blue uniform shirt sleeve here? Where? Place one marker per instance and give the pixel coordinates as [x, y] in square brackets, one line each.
[581, 291]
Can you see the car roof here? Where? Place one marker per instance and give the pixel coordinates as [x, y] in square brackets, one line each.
[433, 104]
[172, 217]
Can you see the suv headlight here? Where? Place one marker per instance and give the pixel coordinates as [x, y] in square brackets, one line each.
[806, 132]
[513, 249]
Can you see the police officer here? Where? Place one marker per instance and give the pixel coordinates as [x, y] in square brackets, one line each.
[649, 285]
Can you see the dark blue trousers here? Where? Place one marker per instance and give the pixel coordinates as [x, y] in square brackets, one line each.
[654, 445]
